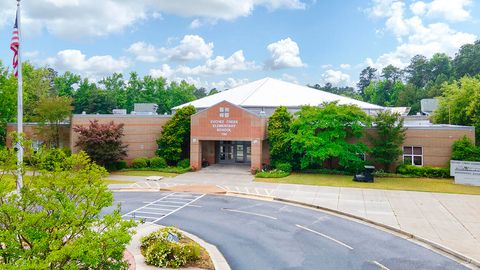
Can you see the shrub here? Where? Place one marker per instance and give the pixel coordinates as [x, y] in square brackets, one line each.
[157, 162]
[272, 174]
[159, 251]
[116, 165]
[464, 149]
[53, 159]
[140, 162]
[431, 172]
[284, 167]
[184, 163]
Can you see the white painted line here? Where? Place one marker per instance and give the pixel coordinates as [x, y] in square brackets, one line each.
[249, 213]
[193, 205]
[199, 197]
[174, 202]
[149, 204]
[383, 267]
[155, 208]
[151, 213]
[326, 236]
[165, 205]
[139, 216]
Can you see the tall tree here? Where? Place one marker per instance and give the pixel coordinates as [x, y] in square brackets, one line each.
[392, 74]
[388, 140]
[367, 75]
[384, 93]
[174, 141]
[8, 99]
[278, 136]
[322, 133]
[466, 60]
[64, 85]
[51, 112]
[102, 142]
[417, 72]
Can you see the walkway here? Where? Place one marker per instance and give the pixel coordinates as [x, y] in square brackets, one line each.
[450, 220]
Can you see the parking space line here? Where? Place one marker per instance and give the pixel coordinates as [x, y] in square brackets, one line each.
[383, 267]
[140, 216]
[160, 209]
[194, 200]
[164, 205]
[170, 194]
[325, 236]
[248, 213]
[151, 213]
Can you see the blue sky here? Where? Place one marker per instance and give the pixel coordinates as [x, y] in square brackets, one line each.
[223, 43]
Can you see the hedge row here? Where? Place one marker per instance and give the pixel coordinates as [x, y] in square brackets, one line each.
[425, 171]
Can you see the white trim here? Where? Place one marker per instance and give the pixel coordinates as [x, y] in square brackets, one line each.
[412, 155]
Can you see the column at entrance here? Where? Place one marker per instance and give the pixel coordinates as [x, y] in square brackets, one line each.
[195, 154]
[256, 155]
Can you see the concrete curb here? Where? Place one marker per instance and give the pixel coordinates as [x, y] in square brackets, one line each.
[218, 260]
[432, 244]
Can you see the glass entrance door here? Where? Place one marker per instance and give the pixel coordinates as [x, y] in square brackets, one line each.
[226, 152]
[233, 152]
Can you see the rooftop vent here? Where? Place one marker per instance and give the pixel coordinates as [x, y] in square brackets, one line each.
[119, 111]
[145, 108]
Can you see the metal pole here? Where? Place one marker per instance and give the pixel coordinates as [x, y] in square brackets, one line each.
[19, 104]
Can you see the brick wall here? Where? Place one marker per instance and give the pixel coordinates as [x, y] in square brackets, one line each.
[140, 131]
[34, 132]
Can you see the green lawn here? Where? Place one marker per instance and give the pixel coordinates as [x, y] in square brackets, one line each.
[144, 173]
[412, 184]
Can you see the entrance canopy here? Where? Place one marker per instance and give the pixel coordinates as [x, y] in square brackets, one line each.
[227, 133]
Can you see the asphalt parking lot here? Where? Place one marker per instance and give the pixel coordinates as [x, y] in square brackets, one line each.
[255, 234]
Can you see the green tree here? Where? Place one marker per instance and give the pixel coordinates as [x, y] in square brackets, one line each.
[51, 112]
[278, 136]
[388, 140]
[174, 141]
[460, 104]
[64, 85]
[464, 149]
[418, 71]
[8, 99]
[392, 73]
[466, 60]
[102, 142]
[384, 92]
[367, 75]
[325, 132]
[56, 222]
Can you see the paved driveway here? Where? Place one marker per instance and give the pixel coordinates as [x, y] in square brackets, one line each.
[451, 220]
[265, 235]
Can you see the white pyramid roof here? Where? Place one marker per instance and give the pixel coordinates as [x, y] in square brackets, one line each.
[270, 92]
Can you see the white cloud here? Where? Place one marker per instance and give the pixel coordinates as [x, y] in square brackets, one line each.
[413, 35]
[289, 78]
[284, 54]
[76, 18]
[144, 52]
[336, 78]
[452, 10]
[195, 24]
[94, 67]
[228, 83]
[215, 66]
[191, 47]
[345, 66]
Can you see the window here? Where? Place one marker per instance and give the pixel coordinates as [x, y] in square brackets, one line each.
[413, 155]
[224, 112]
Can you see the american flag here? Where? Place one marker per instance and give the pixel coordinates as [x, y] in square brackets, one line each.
[14, 45]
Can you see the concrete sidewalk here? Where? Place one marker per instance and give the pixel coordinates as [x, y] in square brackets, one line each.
[450, 220]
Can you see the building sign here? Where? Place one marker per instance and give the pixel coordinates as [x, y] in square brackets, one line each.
[222, 125]
[465, 172]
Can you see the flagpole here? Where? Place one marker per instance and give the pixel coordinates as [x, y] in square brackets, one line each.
[19, 104]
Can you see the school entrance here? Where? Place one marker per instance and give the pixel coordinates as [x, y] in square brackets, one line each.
[228, 152]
